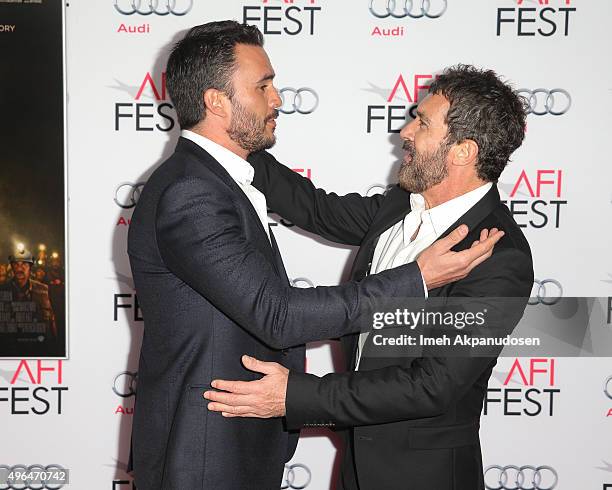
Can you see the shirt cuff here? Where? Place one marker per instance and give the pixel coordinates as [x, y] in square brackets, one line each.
[425, 293]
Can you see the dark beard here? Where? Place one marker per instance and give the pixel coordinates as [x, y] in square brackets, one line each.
[248, 130]
[423, 171]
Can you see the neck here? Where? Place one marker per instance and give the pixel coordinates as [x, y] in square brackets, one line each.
[220, 136]
[449, 189]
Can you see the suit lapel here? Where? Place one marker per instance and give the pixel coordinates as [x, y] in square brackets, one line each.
[188, 146]
[474, 216]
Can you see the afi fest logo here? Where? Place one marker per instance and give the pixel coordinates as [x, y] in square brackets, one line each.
[542, 18]
[34, 387]
[535, 198]
[283, 17]
[400, 101]
[397, 12]
[527, 390]
[136, 114]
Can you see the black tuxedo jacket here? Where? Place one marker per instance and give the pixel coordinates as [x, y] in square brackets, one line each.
[212, 288]
[415, 421]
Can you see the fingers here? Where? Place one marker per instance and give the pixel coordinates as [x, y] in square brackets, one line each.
[251, 415]
[227, 398]
[241, 387]
[239, 411]
[453, 238]
[258, 366]
[481, 247]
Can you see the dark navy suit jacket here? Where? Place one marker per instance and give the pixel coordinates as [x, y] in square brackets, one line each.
[212, 288]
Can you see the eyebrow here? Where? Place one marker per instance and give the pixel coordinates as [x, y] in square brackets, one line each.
[266, 77]
[423, 117]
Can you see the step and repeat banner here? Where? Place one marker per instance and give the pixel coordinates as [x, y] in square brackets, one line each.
[350, 72]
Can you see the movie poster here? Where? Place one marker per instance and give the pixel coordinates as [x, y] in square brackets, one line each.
[32, 180]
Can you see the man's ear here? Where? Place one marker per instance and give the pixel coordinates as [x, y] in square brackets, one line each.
[215, 102]
[465, 153]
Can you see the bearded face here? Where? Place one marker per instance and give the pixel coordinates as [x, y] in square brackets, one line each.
[421, 171]
[251, 131]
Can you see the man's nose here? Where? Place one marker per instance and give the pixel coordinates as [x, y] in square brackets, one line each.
[276, 101]
[407, 131]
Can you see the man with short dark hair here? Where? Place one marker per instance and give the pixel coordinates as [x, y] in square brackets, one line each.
[210, 280]
[24, 289]
[414, 421]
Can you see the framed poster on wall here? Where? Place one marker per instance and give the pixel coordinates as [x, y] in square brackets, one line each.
[33, 199]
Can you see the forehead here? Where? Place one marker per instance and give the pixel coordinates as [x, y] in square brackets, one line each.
[252, 62]
[435, 107]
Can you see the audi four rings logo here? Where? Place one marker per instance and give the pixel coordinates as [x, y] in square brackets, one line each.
[546, 296]
[406, 8]
[555, 102]
[157, 7]
[296, 476]
[377, 189]
[608, 387]
[520, 477]
[125, 383]
[301, 100]
[127, 194]
[302, 282]
[30, 484]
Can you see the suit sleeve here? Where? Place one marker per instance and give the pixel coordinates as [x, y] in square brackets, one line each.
[202, 241]
[342, 219]
[425, 388]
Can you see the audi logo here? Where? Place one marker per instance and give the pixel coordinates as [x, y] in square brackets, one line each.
[377, 189]
[608, 387]
[125, 383]
[392, 8]
[520, 477]
[127, 194]
[45, 481]
[148, 7]
[542, 101]
[296, 476]
[544, 296]
[297, 101]
[302, 282]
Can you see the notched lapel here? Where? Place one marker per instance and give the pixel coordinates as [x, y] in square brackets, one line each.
[187, 146]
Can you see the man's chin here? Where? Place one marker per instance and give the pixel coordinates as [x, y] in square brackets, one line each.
[268, 143]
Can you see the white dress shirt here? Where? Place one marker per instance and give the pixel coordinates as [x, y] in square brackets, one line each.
[395, 247]
[240, 170]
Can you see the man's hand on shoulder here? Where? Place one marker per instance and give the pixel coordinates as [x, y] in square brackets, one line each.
[440, 265]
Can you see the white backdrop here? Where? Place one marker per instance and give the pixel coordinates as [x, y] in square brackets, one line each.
[560, 176]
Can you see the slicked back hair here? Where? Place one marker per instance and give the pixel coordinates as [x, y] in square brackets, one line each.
[205, 58]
